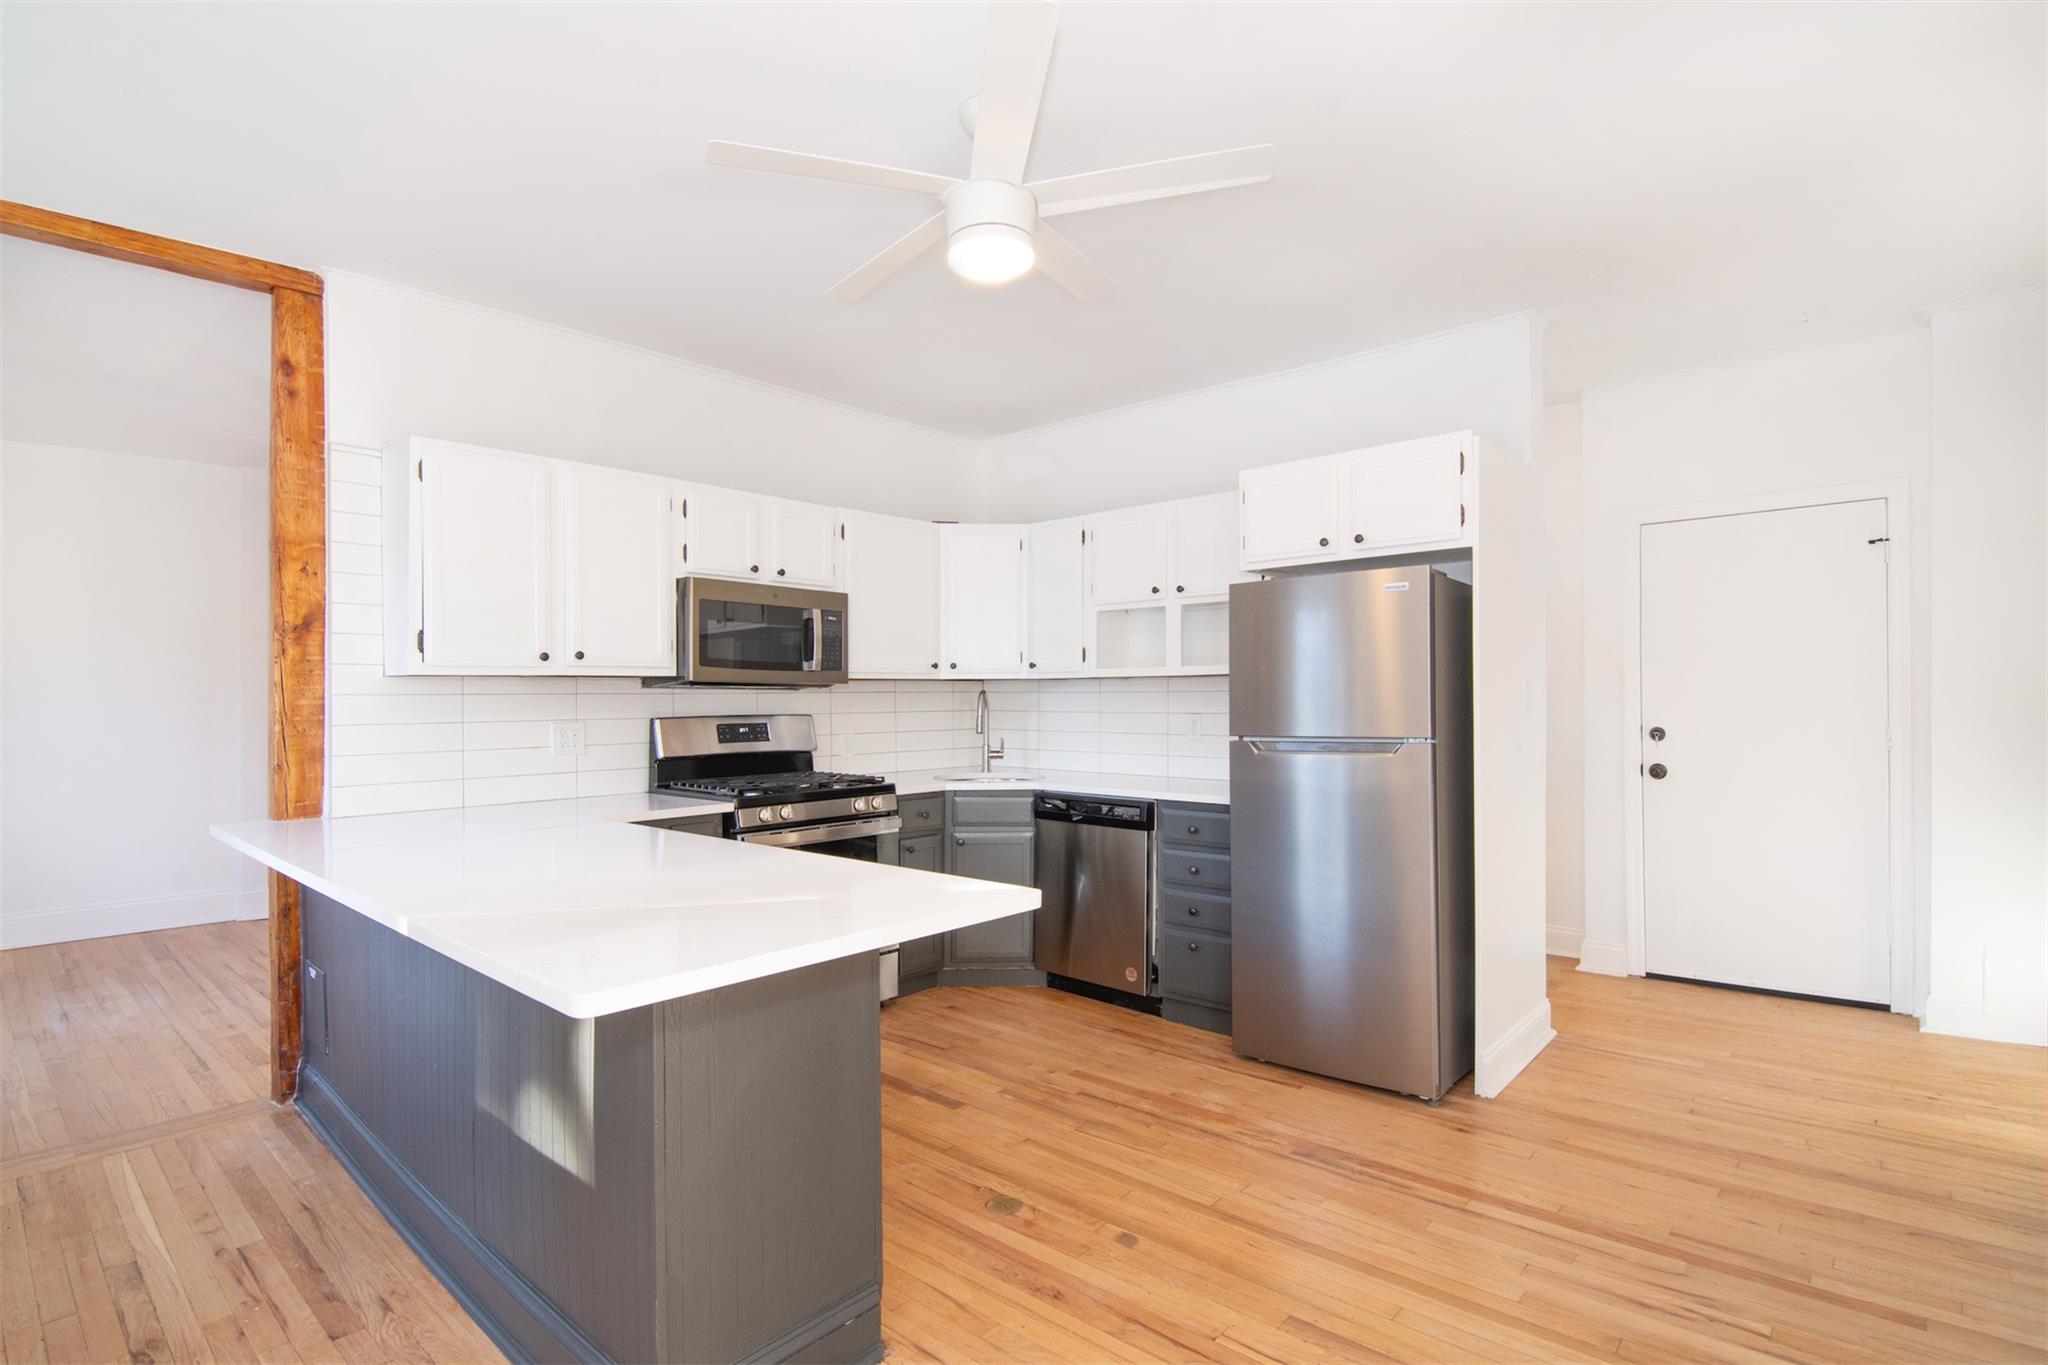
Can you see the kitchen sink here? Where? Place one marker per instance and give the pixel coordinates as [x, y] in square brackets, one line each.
[977, 775]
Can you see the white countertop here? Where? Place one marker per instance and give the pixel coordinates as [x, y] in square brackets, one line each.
[1200, 791]
[578, 906]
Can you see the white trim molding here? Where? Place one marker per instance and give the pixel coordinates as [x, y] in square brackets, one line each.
[1909, 932]
[32, 928]
[1514, 1050]
[1605, 959]
[1971, 1020]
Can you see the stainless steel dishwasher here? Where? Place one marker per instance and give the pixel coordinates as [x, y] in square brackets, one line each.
[1094, 921]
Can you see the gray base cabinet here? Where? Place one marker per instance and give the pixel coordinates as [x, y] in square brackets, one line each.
[990, 836]
[1194, 915]
[922, 845]
[695, 1180]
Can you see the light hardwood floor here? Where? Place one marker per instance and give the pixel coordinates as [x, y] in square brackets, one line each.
[1684, 1174]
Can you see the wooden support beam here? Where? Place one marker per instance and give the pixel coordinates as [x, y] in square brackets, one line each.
[142, 248]
[298, 637]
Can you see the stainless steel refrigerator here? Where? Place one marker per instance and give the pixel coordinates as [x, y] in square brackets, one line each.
[1351, 811]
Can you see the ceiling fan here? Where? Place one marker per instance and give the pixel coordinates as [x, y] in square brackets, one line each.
[993, 222]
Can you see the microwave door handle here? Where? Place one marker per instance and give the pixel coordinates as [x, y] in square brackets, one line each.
[811, 640]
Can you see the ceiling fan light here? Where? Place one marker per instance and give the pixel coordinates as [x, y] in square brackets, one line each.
[990, 253]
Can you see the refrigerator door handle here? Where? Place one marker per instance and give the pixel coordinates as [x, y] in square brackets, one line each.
[1333, 746]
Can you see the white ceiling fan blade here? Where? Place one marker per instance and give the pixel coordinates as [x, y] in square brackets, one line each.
[891, 259]
[1154, 180]
[746, 157]
[1012, 83]
[1060, 261]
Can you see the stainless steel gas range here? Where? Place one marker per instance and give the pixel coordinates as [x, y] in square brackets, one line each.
[764, 766]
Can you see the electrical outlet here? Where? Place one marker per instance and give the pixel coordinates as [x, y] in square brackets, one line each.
[565, 737]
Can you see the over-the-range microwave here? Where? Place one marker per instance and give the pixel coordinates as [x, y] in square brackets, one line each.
[753, 635]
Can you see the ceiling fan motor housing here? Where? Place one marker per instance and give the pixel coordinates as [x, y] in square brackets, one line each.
[972, 203]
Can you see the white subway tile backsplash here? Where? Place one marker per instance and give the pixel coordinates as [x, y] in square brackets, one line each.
[499, 791]
[353, 466]
[365, 770]
[349, 740]
[518, 706]
[352, 528]
[343, 558]
[394, 710]
[393, 797]
[355, 618]
[514, 763]
[505, 734]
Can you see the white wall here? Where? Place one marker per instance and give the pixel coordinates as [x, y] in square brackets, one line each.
[1988, 873]
[1832, 415]
[1485, 377]
[1564, 582]
[134, 643]
[403, 363]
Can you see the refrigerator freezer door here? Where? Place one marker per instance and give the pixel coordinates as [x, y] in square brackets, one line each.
[1335, 654]
[1334, 958]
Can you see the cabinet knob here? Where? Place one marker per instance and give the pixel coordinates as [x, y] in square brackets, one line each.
[1155, 590]
[1180, 587]
[935, 663]
[782, 573]
[1194, 912]
[1194, 829]
[1194, 871]
[543, 656]
[756, 568]
[910, 848]
[954, 665]
[1358, 539]
[1325, 540]
[579, 653]
[959, 841]
[1194, 947]
[924, 815]
[1034, 665]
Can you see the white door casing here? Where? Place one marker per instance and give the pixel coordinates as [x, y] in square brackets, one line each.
[1764, 658]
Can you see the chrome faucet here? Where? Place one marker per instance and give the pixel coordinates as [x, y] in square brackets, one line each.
[988, 751]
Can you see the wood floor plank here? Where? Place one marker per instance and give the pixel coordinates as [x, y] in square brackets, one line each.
[1686, 1174]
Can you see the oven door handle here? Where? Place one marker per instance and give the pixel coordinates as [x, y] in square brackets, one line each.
[822, 834]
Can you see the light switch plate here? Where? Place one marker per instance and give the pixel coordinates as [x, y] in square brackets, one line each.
[565, 737]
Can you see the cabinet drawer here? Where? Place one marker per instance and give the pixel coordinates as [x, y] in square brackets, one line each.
[1194, 827]
[922, 815]
[1194, 966]
[1185, 909]
[991, 808]
[1195, 870]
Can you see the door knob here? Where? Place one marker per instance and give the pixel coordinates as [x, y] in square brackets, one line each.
[1658, 770]
[1656, 732]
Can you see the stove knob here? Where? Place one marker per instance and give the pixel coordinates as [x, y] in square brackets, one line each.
[765, 816]
[860, 803]
[788, 811]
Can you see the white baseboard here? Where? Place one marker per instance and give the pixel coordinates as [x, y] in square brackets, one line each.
[28, 928]
[1504, 1061]
[1993, 1026]
[1561, 940]
[1607, 959]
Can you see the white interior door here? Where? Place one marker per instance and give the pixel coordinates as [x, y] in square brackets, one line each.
[1766, 804]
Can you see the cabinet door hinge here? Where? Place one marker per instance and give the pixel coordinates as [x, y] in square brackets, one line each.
[686, 507]
[1084, 535]
[419, 641]
[1461, 462]
[686, 552]
[1461, 514]
[1084, 654]
[842, 530]
[420, 470]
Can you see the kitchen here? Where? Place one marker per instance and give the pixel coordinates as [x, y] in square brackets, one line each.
[1187, 771]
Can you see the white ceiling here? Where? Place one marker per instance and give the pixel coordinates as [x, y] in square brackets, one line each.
[1670, 184]
[103, 355]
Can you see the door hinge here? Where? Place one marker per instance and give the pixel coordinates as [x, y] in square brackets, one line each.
[842, 530]
[1461, 462]
[1084, 654]
[1461, 514]
[1084, 535]
[686, 507]
[419, 641]
[686, 552]
[420, 469]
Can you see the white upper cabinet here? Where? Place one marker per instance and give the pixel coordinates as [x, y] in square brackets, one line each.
[1386, 500]
[725, 532]
[1404, 495]
[803, 544]
[1202, 545]
[982, 590]
[618, 588]
[1127, 557]
[892, 596]
[486, 567]
[1057, 633]
[1289, 513]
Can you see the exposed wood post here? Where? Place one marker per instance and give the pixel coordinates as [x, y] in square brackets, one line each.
[298, 545]
[298, 636]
